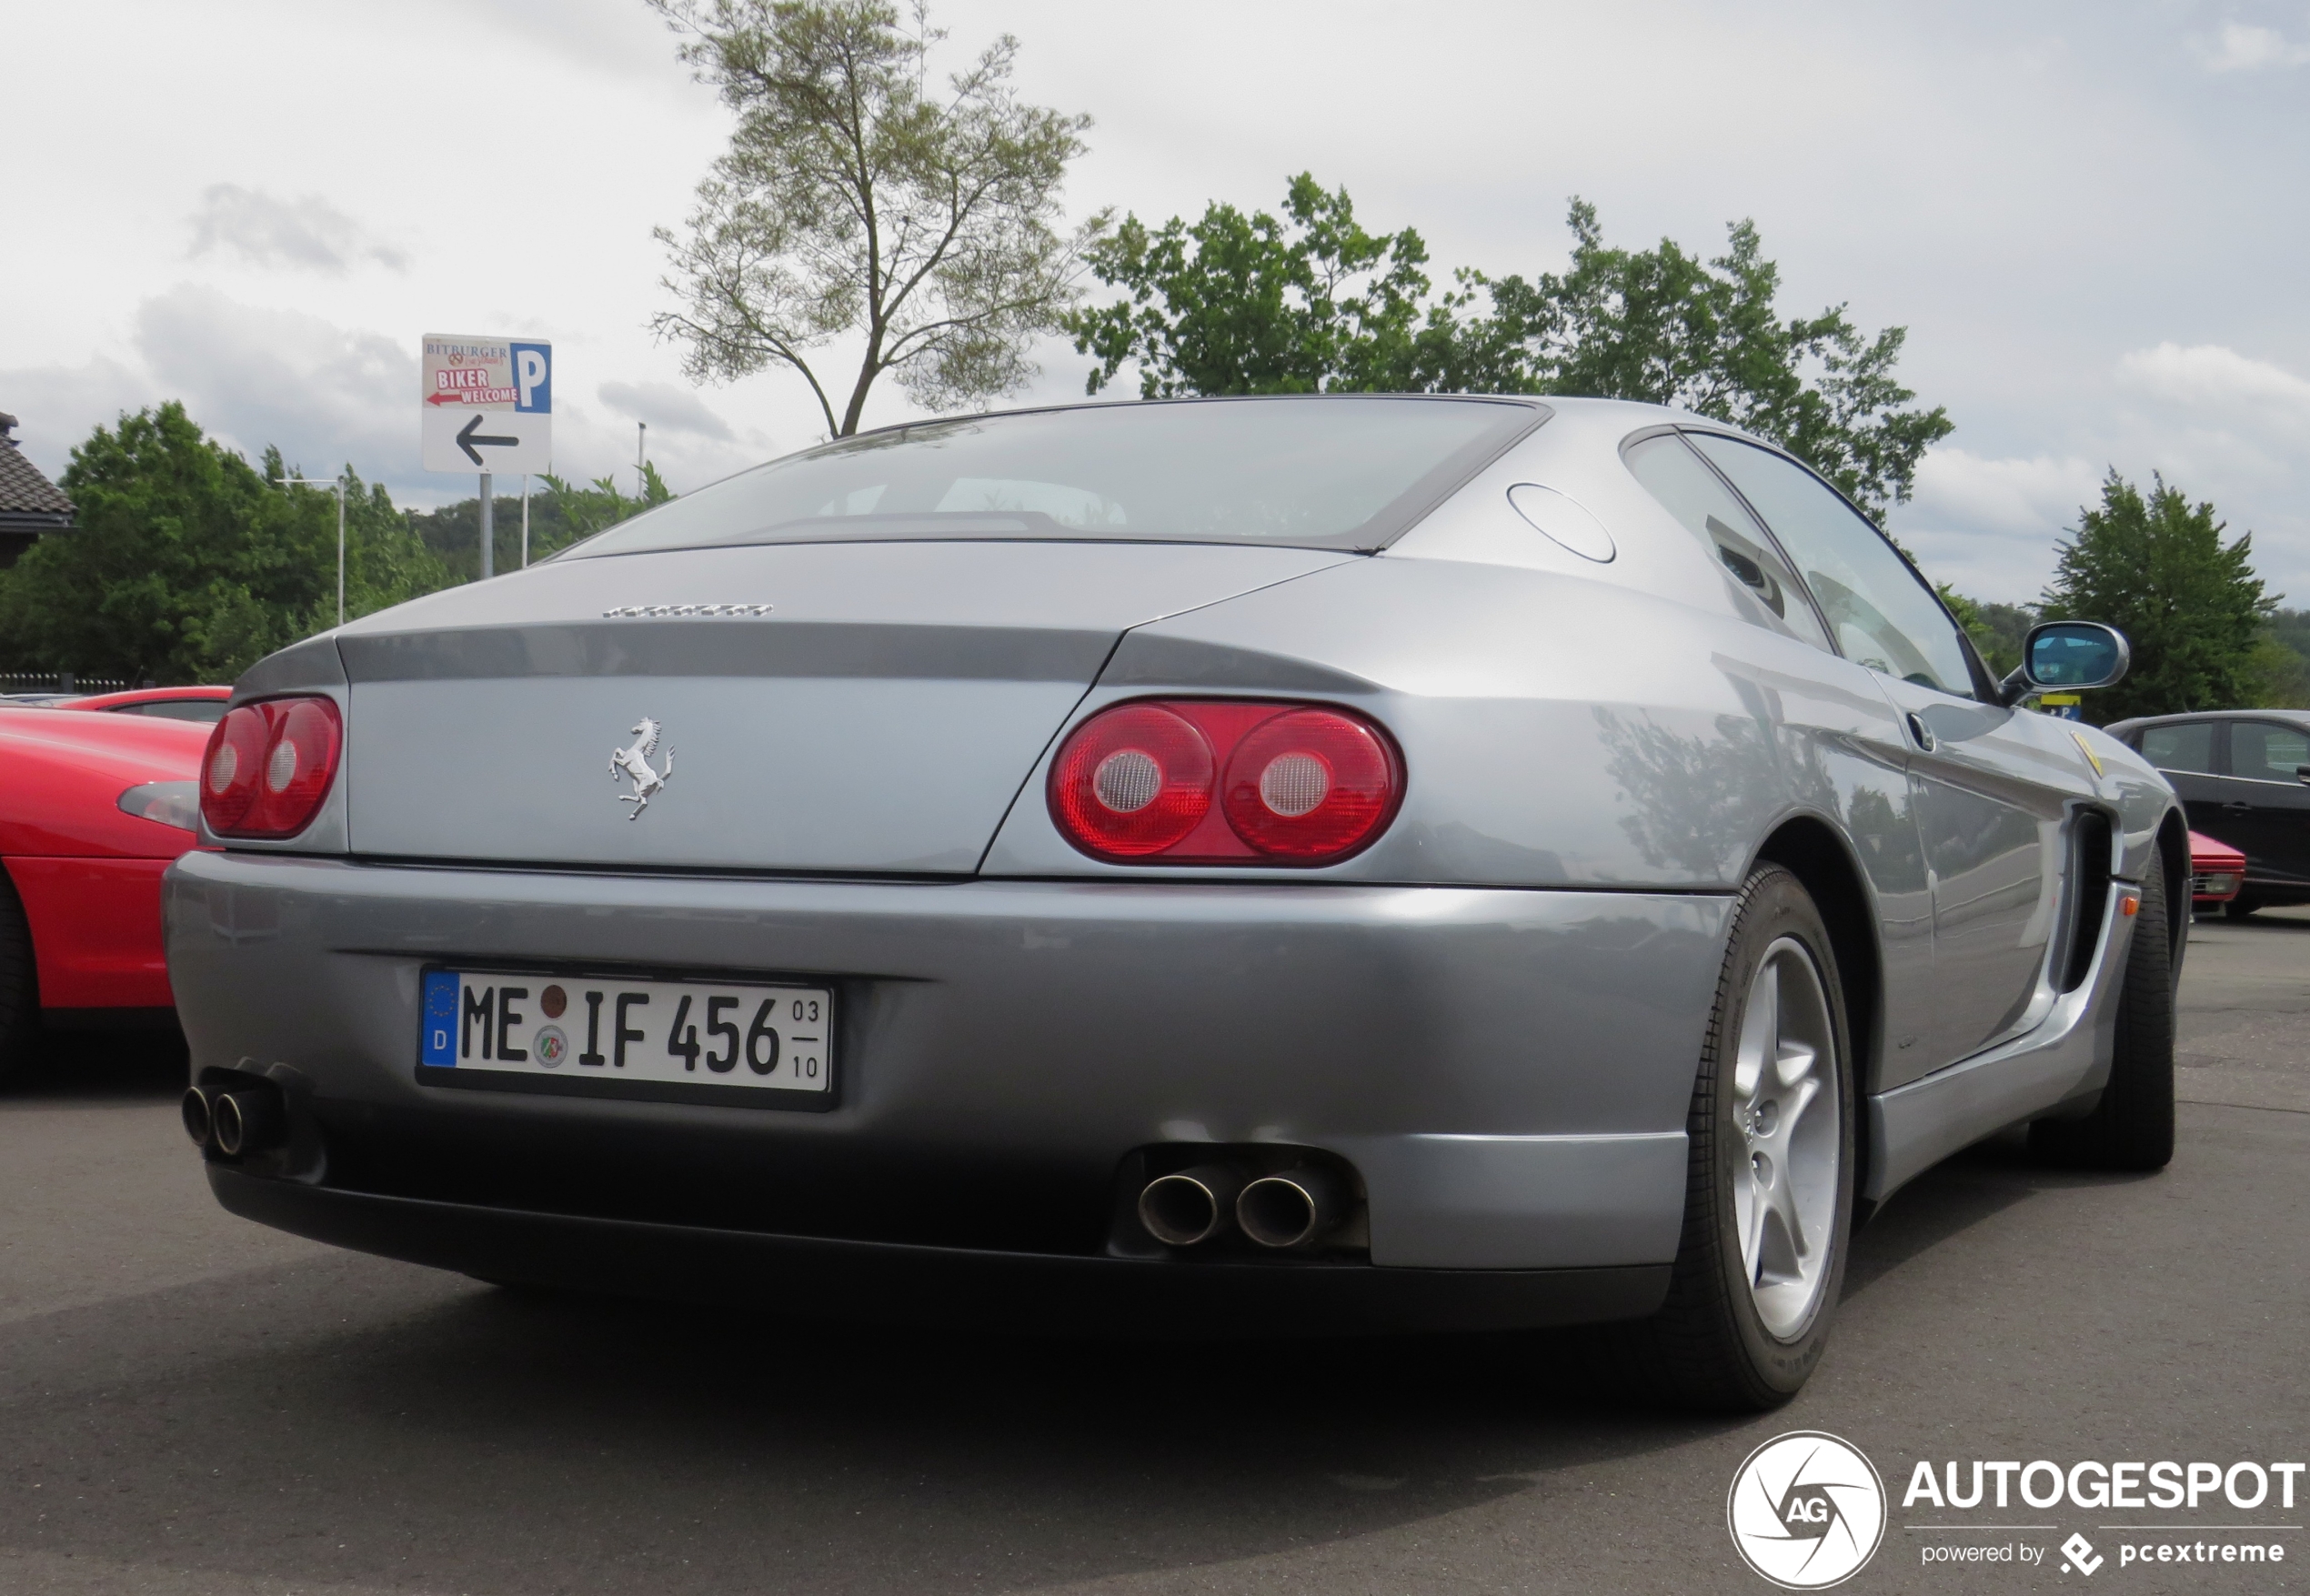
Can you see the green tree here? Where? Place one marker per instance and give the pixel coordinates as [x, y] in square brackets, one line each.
[2281, 676]
[1998, 630]
[591, 509]
[561, 513]
[1307, 303]
[2282, 661]
[2155, 566]
[386, 561]
[1313, 302]
[186, 565]
[1666, 327]
[855, 199]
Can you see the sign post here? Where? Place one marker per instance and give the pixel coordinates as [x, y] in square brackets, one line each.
[488, 406]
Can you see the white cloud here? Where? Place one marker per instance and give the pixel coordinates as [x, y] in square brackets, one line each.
[255, 376]
[2030, 495]
[1989, 526]
[326, 394]
[2244, 47]
[665, 408]
[306, 232]
[2215, 423]
[2213, 377]
[1995, 567]
[59, 406]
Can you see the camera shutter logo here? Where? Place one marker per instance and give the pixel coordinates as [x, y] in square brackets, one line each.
[1806, 1510]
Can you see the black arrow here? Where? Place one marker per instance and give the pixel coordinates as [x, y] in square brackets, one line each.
[466, 439]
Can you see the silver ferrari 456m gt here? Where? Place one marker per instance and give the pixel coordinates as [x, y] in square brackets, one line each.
[1241, 866]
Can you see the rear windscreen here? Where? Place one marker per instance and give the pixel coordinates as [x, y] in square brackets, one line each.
[1330, 472]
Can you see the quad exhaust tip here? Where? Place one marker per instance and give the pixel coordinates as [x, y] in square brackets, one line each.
[241, 1119]
[1291, 1210]
[1297, 1209]
[1178, 1210]
[200, 1119]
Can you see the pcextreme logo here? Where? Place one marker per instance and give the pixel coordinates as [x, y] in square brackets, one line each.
[1806, 1510]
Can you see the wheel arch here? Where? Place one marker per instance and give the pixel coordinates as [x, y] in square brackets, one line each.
[2174, 857]
[1816, 853]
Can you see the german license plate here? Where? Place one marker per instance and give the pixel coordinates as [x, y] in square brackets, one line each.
[716, 1041]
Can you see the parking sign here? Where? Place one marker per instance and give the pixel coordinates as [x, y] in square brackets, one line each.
[487, 404]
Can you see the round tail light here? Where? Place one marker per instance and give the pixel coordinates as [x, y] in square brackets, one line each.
[269, 766]
[1132, 782]
[229, 769]
[1185, 781]
[1309, 783]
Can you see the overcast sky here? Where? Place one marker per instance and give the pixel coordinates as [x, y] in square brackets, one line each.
[2091, 216]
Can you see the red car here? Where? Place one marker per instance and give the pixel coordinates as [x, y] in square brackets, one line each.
[204, 704]
[2217, 870]
[94, 809]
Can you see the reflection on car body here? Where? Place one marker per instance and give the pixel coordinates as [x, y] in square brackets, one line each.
[1260, 875]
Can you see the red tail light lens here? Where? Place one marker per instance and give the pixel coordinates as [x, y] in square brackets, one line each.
[1309, 783]
[1225, 781]
[1132, 781]
[268, 767]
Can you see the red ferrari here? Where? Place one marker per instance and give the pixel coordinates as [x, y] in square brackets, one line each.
[204, 704]
[94, 809]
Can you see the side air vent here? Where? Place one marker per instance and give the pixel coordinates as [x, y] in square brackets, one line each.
[2089, 894]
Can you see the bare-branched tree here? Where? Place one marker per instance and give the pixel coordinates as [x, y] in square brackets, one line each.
[854, 199]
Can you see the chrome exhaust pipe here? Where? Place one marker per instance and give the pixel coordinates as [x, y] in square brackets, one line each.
[246, 1119]
[1178, 1210]
[199, 1115]
[1291, 1210]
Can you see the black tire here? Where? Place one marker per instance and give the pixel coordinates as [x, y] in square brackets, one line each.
[19, 982]
[2240, 907]
[2132, 1126]
[1709, 1347]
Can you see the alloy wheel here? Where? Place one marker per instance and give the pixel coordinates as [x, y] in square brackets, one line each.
[1785, 1087]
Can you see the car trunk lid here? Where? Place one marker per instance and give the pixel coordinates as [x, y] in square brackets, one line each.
[864, 708]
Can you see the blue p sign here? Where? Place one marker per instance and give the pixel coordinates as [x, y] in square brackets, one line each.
[533, 378]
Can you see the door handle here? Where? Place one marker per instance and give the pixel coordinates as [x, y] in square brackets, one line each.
[2236, 808]
[1918, 731]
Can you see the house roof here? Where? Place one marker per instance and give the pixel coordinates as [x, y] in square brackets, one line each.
[28, 500]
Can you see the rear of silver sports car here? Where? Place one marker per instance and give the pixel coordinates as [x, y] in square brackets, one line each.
[909, 926]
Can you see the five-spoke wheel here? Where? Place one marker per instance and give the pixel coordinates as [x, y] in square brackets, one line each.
[1768, 1205]
[1785, 1095]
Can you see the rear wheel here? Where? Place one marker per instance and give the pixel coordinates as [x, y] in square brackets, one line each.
[2132, 1126]
[1768, 1207]
[20, 984]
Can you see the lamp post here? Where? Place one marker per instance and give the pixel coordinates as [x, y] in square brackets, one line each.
[339, 486]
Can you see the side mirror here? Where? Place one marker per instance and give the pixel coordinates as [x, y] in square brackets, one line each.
[2302, 774]
[2070, 656]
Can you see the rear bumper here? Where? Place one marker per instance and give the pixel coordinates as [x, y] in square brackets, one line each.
[1508, 1071]
[869, 1281]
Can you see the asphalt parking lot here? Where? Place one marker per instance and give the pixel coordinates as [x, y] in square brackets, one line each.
[189, 1403]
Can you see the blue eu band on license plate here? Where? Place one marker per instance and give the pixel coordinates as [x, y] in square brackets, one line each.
[724, 1035]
